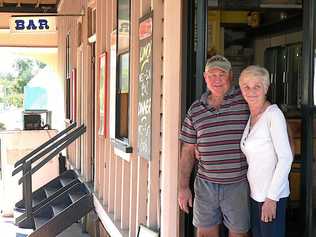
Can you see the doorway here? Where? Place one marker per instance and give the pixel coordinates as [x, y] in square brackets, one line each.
[269, 34]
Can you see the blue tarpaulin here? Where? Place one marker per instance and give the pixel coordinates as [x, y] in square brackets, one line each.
[35, 98]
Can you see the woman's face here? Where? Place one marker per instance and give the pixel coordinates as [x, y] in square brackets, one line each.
[252, 89]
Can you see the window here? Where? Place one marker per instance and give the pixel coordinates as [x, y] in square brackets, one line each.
[122, 73]
[122, 96]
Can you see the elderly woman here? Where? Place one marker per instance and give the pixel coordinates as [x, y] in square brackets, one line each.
[266, 145]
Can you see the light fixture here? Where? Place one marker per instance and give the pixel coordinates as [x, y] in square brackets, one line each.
[38, 3]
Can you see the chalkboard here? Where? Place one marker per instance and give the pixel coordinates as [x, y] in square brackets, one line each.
[144, 88]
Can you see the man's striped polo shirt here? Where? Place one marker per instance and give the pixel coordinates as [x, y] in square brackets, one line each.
[217, 134]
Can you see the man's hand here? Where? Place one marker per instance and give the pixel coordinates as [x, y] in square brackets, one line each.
[268, 211]
[197, 153]
[185, 199]
[187, 161]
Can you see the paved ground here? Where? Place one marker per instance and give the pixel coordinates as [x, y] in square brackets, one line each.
[8, 229]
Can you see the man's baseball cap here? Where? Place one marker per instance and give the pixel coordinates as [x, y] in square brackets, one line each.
[218, 61]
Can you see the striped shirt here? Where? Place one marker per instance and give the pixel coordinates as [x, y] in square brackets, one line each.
[217, 134]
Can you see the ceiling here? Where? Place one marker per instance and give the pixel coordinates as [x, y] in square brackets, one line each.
[29, 6]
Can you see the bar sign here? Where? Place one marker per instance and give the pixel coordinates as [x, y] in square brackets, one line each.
[32, 24]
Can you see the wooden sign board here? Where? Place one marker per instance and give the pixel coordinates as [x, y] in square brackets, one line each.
[145, 87]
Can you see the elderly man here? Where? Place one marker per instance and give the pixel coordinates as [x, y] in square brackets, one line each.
[214, 126]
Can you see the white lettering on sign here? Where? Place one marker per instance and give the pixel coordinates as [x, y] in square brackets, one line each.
[144, 108]
[32, 24]
[144, 98]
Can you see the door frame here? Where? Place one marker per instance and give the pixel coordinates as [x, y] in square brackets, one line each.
[308, 109]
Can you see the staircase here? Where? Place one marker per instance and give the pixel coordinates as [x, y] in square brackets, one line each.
[58, 204]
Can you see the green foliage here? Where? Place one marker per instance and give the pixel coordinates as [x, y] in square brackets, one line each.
[14, 84]
[40, 64]
[2, 126]
[16, 100]
[24, 68]
[6, 76]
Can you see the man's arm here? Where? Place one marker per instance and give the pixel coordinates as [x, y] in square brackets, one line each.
[187, 159]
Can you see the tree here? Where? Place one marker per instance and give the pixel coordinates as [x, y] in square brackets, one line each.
[26, 69]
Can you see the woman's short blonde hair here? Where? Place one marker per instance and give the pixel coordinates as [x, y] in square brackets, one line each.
[258, 72]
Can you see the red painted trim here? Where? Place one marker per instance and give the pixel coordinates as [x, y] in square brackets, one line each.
[74, 94]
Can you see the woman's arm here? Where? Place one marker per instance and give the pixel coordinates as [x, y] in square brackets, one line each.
[280, 139]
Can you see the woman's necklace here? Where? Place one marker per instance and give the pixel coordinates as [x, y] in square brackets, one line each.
[255, 118]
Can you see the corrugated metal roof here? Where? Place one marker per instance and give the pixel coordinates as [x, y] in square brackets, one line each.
[29, 1]
[29, 6]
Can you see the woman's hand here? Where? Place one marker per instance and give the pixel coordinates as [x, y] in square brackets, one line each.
[268, 210]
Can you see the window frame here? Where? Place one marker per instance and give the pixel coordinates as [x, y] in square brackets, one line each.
[118, 121]
[122, 142]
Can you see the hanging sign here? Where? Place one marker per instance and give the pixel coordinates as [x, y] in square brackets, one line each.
[145, 87]
[33, 24]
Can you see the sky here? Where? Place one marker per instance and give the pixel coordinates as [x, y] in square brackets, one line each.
[7, 59]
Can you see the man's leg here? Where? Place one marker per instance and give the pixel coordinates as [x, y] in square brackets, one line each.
[235, 208]
[206, 211]
[208, 232]
[232, 234]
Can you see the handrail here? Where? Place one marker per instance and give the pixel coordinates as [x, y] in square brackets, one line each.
[28, 170]
[48, 149]
[21, 161]
[78, 132]
[45, 151]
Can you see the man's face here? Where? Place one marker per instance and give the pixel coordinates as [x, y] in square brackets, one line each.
[217, 81]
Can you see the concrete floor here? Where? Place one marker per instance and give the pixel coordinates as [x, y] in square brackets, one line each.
[73, 231]
[8, 229]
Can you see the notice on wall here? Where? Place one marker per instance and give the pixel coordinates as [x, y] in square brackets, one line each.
[145, 88]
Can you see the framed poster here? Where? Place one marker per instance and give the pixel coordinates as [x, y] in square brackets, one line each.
[102, 93]
[145, 87]
[73, 86]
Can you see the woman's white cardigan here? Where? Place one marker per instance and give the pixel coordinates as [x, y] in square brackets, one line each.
[269, 155]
